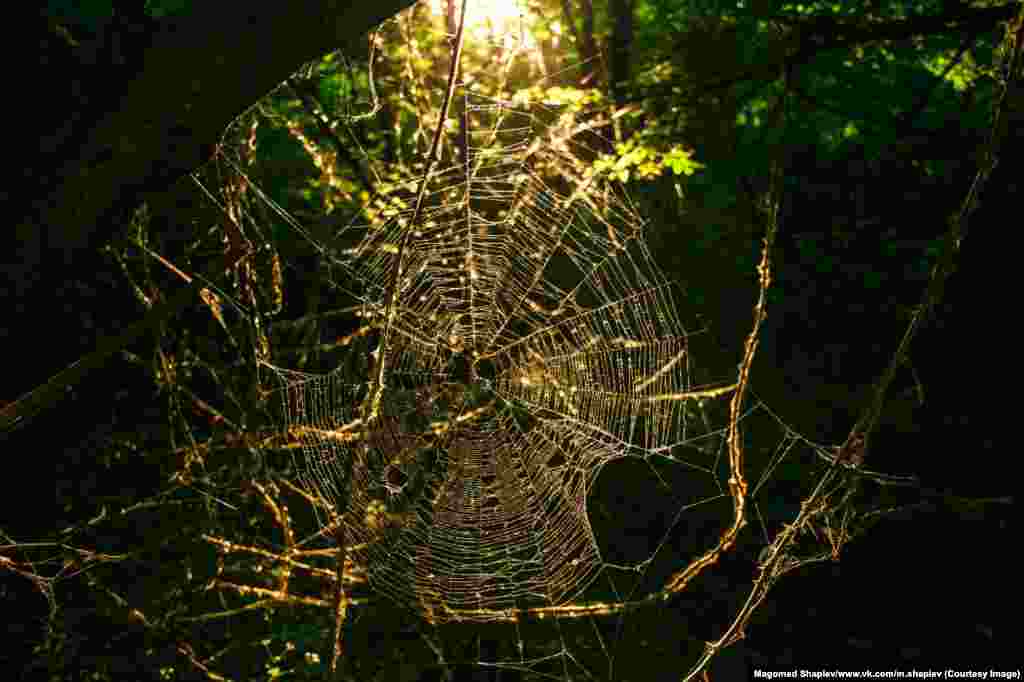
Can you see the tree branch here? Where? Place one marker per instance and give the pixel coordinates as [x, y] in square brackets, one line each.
[813, 35]
[199, 74]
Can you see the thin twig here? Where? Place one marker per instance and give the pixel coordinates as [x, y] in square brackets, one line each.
[340, 602]
[951, 244]
[372, 404]
[19, 413]
[737, 484]
[307, 96]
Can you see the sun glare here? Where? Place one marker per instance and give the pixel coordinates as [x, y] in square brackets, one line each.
[492, 20]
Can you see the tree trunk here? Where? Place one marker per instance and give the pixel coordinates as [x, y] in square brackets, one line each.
[620, 49]
[199, 73]
[589, 44]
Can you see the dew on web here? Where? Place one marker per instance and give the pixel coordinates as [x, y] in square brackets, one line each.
[468, 495]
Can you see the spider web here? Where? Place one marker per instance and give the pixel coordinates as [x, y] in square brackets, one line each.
[494, 374]
[534, 340]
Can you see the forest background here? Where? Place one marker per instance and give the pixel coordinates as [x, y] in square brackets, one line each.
[878, 116]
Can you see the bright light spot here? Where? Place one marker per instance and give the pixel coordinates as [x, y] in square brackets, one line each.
[501, 21]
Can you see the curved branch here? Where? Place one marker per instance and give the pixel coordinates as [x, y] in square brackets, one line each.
[200, 72]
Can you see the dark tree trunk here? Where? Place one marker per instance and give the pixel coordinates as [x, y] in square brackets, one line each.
[589, 45]
[620, 49]
[160, 121]
[198, 74]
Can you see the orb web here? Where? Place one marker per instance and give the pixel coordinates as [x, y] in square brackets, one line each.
[534, 340]
[532, 350]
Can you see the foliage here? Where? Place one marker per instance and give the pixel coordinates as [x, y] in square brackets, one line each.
[92, 13]
[635, 159]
